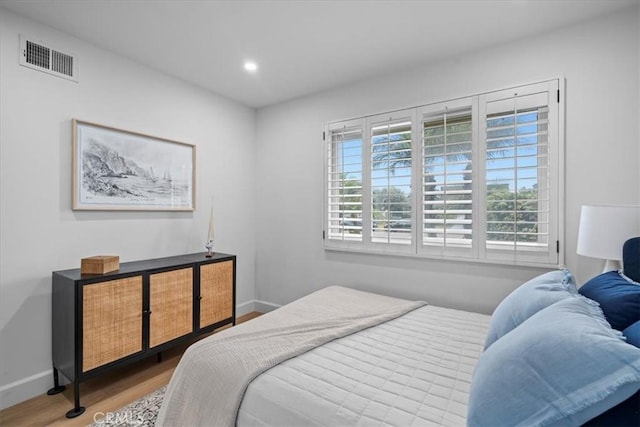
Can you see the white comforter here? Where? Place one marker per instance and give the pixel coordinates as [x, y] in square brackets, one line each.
[415, 370]
[209, 382]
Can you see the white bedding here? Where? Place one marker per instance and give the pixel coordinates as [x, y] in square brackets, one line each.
[207, 386]
[413, 370]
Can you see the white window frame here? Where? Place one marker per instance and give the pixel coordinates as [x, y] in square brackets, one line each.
[479, 251]
[344, 244]
[552, 255]
[452, 252]
[376, 247]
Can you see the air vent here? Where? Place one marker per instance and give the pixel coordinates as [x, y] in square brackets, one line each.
[40, 56]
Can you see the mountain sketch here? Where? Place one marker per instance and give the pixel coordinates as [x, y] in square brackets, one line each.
[107, 173]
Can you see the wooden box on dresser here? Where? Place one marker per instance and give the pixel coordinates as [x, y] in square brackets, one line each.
[103, 321]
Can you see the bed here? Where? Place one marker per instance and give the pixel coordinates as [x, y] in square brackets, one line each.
[412, 370]
[549, 355]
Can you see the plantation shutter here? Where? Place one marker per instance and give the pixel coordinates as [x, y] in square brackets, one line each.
[520, 140]
[344, 183]
[447, 178]
[468, 178]
[391, 179]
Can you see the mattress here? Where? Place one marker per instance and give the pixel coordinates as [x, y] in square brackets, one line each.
[208, 384]
[413, 370]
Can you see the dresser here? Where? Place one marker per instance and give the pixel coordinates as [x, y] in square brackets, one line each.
[103, 321]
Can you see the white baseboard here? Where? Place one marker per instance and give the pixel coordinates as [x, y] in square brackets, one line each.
[255, 305]
[37, 384]
[265, 307]
[25, 389]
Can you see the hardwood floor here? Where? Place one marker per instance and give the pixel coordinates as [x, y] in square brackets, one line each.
[100, 395]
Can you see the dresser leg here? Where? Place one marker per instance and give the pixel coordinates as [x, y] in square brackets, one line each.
[57, 388]
[77, 410]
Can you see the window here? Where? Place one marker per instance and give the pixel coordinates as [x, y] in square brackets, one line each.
[447, 178]
[486, 169]
[519, 133]
[344, 200]
[390, 179]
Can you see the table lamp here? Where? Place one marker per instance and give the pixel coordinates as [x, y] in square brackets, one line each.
[603, 231]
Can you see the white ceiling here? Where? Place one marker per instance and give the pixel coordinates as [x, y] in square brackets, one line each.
[301, 47]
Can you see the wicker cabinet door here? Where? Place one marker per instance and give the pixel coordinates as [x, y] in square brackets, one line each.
[171, 305]
[111, 321]
[216, 292]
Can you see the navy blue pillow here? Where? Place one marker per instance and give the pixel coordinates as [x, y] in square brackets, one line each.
[619, 298]
[631, 258]
[627, 413]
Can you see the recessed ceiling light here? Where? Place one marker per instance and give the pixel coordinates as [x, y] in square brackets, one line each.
[251, 66]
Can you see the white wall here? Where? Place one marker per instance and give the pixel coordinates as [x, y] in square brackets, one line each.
[40, 233]
[266, 174]
[599, 60]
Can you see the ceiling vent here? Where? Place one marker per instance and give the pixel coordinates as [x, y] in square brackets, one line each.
[41, 56]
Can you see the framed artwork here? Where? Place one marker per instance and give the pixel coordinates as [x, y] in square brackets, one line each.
[114, 169]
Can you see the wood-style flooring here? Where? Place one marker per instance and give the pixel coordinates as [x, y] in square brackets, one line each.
[100, 395]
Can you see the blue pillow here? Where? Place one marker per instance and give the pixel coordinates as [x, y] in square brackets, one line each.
[528, 299]
[618, 296]
[561, 367]
[632, 334]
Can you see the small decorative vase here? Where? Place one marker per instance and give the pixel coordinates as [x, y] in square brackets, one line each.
[209, 247]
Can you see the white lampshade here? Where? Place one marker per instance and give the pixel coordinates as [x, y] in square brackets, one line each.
[604, 229]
